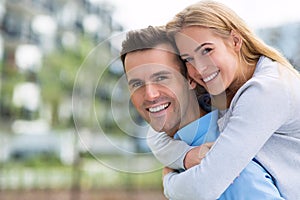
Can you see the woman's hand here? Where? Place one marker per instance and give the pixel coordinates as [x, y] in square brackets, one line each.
[195, 155]
[166, 170]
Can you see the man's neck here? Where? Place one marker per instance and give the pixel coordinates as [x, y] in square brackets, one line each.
[174, 130]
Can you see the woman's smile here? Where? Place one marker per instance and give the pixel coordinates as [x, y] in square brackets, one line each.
[211, 76]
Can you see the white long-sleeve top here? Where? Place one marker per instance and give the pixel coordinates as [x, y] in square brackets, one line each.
[263, 121]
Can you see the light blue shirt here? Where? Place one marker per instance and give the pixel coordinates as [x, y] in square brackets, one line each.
[254, 182]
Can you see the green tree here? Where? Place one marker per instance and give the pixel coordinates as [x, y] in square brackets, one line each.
[10, 77]
[58, 74]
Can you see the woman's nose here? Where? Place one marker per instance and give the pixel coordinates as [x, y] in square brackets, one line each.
[200, 67]
[202, 63]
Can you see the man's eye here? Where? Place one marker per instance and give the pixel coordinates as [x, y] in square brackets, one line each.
[161, 78]
[136, 85]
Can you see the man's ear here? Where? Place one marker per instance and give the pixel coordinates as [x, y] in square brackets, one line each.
[192, 83]
[237, 40]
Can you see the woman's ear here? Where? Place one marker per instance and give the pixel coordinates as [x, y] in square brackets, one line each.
[192, 83]
[237, 40]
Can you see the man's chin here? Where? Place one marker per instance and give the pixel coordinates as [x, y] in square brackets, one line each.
[158, 127]
[158, 124]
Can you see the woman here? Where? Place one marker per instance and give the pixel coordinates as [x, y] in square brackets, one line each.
[260, 92]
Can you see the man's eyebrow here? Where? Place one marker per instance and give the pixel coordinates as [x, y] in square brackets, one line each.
[164, 72]
[134, 80]
[197, 48]
[160, 73]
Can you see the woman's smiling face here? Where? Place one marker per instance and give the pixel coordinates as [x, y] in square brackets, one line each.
[211, 60]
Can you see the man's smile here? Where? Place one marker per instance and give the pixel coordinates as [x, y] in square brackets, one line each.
[158, 108]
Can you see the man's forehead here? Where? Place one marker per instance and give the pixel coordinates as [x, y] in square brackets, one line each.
[148, 69]
[151, 58]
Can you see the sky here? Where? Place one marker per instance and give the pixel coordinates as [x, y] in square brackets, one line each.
[134, 14]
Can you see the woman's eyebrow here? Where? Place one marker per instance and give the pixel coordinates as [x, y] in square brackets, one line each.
[201, 45]
[196, 49]
[184, 55]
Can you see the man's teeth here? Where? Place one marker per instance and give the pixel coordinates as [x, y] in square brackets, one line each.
[210, 77]
[158, 108]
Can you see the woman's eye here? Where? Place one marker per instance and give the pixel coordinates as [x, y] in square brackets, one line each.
[206, 51]
[187, 60]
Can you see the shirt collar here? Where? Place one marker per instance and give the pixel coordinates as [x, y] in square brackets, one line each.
[194, 129]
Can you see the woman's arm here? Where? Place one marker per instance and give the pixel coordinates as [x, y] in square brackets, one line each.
[172, 152]
[258, 110]
[194, 156]
[168, 151]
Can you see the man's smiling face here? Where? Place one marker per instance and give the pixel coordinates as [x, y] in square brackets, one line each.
[159, 91]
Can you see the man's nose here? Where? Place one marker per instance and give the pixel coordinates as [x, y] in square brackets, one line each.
[151, 91]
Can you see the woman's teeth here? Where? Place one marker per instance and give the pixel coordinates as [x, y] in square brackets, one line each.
[158, 108]
[210, 77]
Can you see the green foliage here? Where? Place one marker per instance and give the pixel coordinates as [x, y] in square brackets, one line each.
[40, 161]
[59, 71]
[10, 77]
[58, 74]
[39, 173]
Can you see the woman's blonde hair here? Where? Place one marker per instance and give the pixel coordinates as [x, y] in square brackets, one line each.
[223, 20]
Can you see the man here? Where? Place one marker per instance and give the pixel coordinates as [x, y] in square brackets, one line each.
[164, 96]
[159, 89]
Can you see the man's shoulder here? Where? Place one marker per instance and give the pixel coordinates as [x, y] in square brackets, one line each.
[194, 130]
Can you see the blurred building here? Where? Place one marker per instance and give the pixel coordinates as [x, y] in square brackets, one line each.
[32, 29]
[49, 24]
[286, 39]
